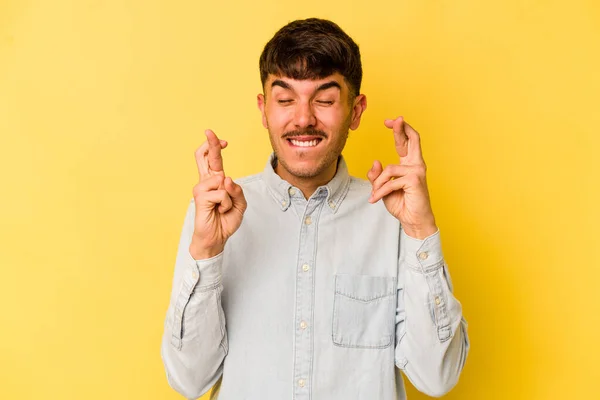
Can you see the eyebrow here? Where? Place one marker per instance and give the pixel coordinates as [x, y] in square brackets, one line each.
[324, 86]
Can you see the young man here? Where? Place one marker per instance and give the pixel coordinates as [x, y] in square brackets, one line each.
[299, 283]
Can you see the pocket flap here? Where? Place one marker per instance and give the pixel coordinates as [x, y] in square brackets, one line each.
[364, 287]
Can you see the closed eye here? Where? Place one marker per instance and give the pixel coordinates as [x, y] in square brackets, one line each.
[284, 101]
[325, 102]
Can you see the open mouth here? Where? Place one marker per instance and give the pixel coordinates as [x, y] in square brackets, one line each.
[304, 142]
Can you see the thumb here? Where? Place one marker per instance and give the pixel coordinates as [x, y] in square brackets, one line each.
[375, 171]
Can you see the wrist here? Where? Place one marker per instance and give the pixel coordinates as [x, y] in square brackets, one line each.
[201, 252]
[420, 232]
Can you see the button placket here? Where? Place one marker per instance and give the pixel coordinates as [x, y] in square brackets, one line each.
[303, 339]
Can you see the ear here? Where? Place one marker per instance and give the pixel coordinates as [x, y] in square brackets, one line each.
[260, 100]
[360, 105]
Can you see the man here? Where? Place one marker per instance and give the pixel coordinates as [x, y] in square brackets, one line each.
[299, 283]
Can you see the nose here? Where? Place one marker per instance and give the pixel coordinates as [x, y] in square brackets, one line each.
[304, 116]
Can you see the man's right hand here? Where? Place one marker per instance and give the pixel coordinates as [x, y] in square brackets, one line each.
[220, 203]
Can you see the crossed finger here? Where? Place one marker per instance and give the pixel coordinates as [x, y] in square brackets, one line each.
[406, 139]
[208, 156]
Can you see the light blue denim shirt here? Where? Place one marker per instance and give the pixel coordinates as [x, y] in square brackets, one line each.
[325, 298]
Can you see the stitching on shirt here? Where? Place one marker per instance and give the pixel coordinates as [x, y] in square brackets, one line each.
[277, 197]
[341, 193]
[364, 300]
[312, 316]
[444, 333]
[212, 286]
[441, 320]
[224, 343]
[425, 270]
[356, 346]
[178, 307]
[335, 325]
[185, 306]
[434, 268]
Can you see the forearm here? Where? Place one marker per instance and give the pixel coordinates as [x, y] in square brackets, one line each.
[432, 348]
[194, 341]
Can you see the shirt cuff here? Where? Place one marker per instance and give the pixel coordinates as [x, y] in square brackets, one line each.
[207, 273]
[424, 255]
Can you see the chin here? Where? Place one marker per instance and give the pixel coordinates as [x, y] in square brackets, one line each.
[304, 169]
[305, 173]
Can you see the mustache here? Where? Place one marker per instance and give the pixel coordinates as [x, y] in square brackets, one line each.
[305, 132]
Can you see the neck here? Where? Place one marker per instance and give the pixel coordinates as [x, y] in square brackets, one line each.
[307, 185]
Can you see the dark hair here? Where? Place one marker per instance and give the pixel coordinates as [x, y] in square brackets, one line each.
[312, 49]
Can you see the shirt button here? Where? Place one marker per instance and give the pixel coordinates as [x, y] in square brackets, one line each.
[303, 325]
[283, 203]
[305, 267]
[301, 382]
[423, 255]
[308, 220]
[331, 204]
[194, 275]
[437, 300]
[292, 191]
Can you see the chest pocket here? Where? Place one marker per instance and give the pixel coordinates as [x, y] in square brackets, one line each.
[364, 311]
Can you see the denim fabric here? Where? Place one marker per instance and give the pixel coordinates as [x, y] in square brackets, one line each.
[325, 298]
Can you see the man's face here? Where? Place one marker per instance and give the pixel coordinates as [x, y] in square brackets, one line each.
[308, 122]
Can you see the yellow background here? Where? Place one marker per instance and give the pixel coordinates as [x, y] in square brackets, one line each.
[102, 104]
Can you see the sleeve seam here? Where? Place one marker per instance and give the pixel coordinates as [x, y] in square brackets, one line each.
[208, 287]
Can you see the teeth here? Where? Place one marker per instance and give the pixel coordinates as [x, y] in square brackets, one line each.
[310, 143]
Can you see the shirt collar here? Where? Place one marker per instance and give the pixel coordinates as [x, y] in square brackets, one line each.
[335, 190]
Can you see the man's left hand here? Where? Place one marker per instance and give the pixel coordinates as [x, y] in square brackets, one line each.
[403, 186]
